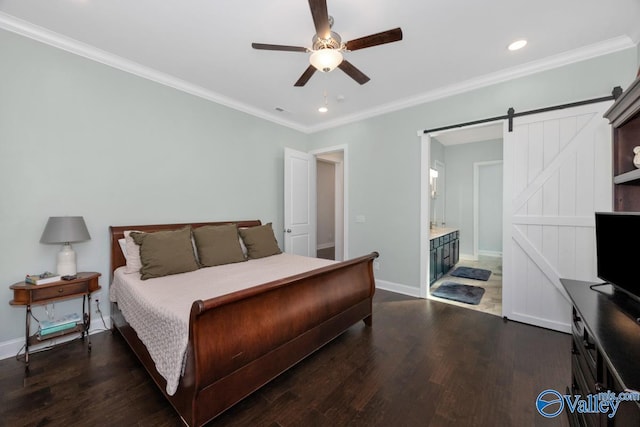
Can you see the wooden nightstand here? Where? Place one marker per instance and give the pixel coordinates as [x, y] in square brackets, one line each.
[28, 295]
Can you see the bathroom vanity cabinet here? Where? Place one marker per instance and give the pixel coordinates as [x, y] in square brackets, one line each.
[444, 251]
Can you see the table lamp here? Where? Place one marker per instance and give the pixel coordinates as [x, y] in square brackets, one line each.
[65, 230]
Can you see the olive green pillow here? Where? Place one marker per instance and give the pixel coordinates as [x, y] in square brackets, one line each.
[260, 241]
[218, 244]
[165, 252]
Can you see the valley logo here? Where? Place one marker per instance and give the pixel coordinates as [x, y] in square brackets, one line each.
[551, 403]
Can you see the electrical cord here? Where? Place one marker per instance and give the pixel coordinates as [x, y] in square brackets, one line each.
[40, 350]
[101, 316]
[34, 318]
[19, 351]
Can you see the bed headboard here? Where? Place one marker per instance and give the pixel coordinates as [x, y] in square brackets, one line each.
[117, 233]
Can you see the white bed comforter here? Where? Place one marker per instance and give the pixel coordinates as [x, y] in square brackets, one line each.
[158, 309]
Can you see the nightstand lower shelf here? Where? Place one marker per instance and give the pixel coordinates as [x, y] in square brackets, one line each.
[28, 295]
[81, 328]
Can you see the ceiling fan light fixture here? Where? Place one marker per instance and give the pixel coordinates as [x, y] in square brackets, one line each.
[326, 60]
[327, 48]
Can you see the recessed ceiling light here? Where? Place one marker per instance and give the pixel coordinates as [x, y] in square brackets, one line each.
[518, 44]
[323, 109]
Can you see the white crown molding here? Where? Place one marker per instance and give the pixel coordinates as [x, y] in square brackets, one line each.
[27, 29]
[32, 31]
[556, 61]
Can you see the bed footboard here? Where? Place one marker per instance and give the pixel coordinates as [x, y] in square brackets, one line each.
[268, 329]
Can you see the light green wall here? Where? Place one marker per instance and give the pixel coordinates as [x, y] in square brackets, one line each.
[384, 152]
[459, 161]
[81, 138]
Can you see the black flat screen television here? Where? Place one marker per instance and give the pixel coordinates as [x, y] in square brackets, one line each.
[618, 263]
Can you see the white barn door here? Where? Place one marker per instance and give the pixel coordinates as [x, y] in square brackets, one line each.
[557, 173]
[299, 203]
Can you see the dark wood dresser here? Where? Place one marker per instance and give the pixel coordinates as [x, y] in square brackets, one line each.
[605, 351]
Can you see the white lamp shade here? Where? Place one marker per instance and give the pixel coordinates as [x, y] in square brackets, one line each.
[326, 59]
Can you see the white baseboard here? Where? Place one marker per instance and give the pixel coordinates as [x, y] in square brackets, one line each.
[398, 288]
[494, 254]
[468, 257]
[471, 257]
[11, 347]
[326, 245]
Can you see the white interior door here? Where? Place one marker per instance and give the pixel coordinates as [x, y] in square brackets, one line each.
[299, 203]
[557, 173]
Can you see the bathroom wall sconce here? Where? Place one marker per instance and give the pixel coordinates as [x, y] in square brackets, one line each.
[433, 182]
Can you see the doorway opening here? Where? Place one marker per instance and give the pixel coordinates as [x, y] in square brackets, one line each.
[331, 235]
[462, 212]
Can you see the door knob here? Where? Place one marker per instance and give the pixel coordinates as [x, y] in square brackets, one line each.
[288, 230]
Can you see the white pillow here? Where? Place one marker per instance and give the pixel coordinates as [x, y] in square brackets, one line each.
[131, 254]
[244, 248]
[123, 246]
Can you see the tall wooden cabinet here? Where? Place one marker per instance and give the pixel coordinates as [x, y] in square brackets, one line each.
[624, 116]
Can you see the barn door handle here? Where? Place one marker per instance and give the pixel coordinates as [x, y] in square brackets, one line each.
[288, 230]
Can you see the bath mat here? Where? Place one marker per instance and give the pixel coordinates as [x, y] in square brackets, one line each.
[458, 292]
[472, 273]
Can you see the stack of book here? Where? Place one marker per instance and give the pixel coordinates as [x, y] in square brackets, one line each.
[69, 321]
[41, 279]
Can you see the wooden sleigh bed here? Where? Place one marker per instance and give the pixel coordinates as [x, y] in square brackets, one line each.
[259, 334]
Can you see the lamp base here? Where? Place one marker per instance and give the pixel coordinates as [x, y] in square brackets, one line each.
[66, 261]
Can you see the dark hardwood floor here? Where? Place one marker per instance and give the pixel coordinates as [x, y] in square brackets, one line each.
[327, 253]
[423, 363]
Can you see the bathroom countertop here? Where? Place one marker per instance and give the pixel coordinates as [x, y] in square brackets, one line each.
[441, 231]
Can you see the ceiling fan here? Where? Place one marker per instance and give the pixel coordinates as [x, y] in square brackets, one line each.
[327, 46]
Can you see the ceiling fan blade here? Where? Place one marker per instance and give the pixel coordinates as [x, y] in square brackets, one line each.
[320, 18]
[264, 46]
[353, 72]
[304, 78]
[375, 39]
